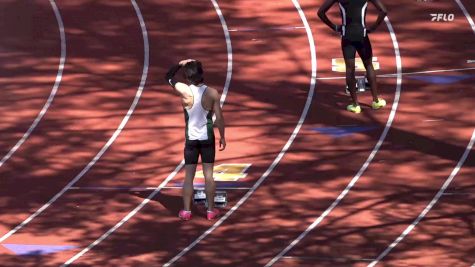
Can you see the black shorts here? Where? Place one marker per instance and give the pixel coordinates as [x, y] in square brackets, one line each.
[363, 47]
[195, 148]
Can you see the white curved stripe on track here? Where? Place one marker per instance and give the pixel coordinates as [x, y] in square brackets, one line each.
[429, 206]
[368, 161]
[444, 186]
[467, 15]
[111, 140]
[229, 48]
[392, 75]
[182, 163]
[284, 149]
[57, 82]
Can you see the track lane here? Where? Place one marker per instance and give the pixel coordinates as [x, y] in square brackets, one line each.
[246, 100]
[250, 238]
[128, 161]
[28, 66]
[72, 113]
[451, 246]
[369, 216]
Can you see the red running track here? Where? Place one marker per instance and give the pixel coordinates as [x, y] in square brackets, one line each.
[271, 72]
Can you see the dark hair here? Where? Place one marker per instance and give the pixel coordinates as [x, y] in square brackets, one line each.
[193, 72]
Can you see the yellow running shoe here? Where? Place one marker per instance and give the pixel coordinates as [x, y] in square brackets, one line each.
[355, 109]
[380, 104]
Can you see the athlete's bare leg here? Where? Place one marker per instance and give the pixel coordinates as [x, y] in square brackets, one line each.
[210, 184]
[351, 80]
[371, 74]
[190, 170]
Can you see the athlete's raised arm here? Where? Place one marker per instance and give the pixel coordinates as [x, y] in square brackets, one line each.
[322, 14]
[219, 119]
[382, 14]
[181, 89]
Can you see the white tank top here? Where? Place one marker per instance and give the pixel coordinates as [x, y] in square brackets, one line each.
[199, 121]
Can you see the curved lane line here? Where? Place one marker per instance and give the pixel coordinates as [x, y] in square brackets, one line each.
[429, 206]
[107, 145]
[391, 75]
[467, 15]
[229, 48]
[284, 149]
[57, 82]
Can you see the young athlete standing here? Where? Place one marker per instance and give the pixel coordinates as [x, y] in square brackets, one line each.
[199, 102]
[354, 38]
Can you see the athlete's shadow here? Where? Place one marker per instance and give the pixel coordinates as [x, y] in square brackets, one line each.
[172, 202]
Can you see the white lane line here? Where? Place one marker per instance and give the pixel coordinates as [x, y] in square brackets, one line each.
[391, 75]
[182, 163]
[430, 205]
[467, 15]
[125, 219]
[368, 161]
[115, 188]
[57, 82]
[284, 28]
[106, 146]
[284, 149]
[229, 48]
[338, 259]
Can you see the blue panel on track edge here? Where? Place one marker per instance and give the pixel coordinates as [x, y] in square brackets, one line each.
[31, 250]
[440, 79]
[344, 131]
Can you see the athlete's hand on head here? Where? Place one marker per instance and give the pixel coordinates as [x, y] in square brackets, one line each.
[222, 144]
[184, 61]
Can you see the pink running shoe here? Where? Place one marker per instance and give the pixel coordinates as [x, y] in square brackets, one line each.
[212, 214]
[185, 215]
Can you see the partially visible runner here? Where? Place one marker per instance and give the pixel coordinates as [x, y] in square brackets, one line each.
[199, 102]
[354, 38]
